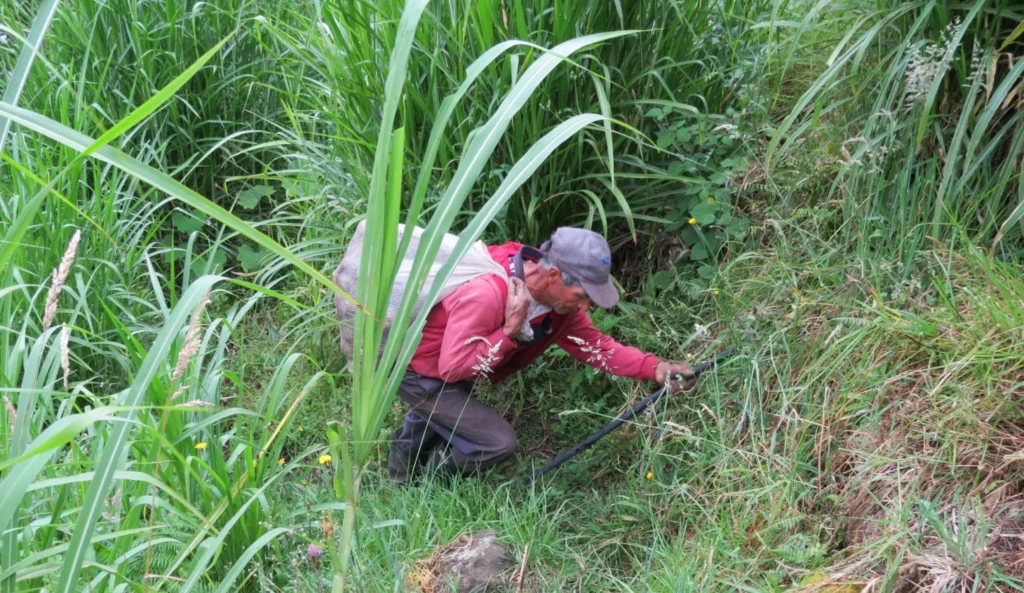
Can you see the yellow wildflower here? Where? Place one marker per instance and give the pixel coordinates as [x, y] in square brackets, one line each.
[688, 355]
[692, 221]
[325, 458]
[200, 446]
[280, 461]
[716, 292]
[650, 475]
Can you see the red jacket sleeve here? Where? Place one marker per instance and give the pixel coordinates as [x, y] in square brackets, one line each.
[473, 341]
[587, 344]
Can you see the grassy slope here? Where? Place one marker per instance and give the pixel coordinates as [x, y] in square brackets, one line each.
[863, 435]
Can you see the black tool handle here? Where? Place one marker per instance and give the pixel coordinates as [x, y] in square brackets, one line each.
[623, 417]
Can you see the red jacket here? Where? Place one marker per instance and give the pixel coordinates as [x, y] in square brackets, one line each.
[463, 338]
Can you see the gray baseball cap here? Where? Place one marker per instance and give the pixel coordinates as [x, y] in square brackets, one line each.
[586, 256]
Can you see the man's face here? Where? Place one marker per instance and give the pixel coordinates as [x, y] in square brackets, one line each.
[564, 299]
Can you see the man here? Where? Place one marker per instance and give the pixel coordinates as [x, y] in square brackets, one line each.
[479, 330]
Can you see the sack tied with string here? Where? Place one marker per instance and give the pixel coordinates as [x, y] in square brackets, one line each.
[475, 263]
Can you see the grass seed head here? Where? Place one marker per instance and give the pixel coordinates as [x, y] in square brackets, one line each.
[192, 340]
[60, 276]
[65, 355]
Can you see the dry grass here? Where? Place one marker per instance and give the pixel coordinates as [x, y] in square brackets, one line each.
[434, 573]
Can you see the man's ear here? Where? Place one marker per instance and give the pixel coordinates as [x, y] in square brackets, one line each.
[553, 276]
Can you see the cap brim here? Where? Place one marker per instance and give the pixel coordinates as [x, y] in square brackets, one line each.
[604, 295]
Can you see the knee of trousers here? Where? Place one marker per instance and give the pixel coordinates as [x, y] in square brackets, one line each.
[505, 443]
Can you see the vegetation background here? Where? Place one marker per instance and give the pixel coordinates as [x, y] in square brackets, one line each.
[834, 187]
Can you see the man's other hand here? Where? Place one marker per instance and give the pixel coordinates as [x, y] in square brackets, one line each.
[516, 307]
[678, 375]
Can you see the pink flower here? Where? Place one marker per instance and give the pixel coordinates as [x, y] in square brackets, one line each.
[314, 551]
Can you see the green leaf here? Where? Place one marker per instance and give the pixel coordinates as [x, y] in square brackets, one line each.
[737, 227]
[199, 264]
[250, 198]
[251, 259]
[9, 112]
[661, 279]
[665, 139]
[707, 272]
[623, 204]
[736, 162]
[704, 212]
[719, 177]
[376, 207]
[187, 223]
[606, 111]
[699, 251]
[689, 235]
[437, 132]
[1012, 36]
[655, 112]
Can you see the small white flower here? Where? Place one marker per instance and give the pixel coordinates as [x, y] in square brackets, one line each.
[928, 63]
[701, 331]
[492, 357]
[599, 357]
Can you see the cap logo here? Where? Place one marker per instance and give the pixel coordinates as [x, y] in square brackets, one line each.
[606, 261]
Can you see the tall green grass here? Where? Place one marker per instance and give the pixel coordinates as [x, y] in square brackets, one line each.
[922, 105]
[694, 60]
[230, 526]
[141, 451]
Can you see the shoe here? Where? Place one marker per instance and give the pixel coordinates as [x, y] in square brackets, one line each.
[441, 464]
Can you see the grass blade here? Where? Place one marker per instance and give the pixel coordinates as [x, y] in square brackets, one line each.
[243, 560]
[201, 564]
[107, 466]
[16, 84]
[21, 225]
[165, 183]
[40, 450]
[517, 176]
[373, 246]
[474, 159]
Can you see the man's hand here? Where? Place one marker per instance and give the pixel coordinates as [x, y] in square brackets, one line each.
[679, 376]
[516, 307]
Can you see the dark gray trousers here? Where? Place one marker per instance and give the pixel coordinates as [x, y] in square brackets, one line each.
[446, 415]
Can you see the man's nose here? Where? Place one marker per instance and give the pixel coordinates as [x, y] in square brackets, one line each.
[585, 305]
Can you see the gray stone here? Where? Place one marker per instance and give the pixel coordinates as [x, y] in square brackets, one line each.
[475, 563]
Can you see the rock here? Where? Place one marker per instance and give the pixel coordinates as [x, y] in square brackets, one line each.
[474, 563]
